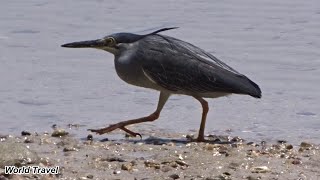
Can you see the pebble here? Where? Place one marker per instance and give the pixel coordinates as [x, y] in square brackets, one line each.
[25, 133]
[116, 172]
[289, 146]
[69, 148]
[28, 140]
[181, 163]
[224, 152]
[296, 162]
[111, 159]
[253, 178]
[45, 141]
[222, 177]
[90, 176]
[282, 141]
[170, 144]
[59, 133]
[82, 178]
[260, 169]
[236, 139]
[134, 162]
[211, 147]
[90, 137]
[283, 155]
[253, 144]
[174, 176]
[180, 157]
[252, 153]
[227, 173]
[127, 167]
[174, 165]
[152, 164]
[3, 137]
[305, 145]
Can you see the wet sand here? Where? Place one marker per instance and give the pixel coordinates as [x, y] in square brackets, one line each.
[167, 156]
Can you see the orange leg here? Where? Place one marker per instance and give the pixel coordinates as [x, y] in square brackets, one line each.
[205, 109]
[122, 125]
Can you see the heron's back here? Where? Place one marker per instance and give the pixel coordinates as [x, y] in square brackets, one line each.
[182, 67]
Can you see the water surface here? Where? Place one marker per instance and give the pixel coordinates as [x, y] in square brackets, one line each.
[275, 43]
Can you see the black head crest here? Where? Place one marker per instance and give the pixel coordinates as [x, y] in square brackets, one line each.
[130, 38]
[160, 30]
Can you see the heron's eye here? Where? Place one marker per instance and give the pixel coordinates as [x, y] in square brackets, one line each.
[112, 41]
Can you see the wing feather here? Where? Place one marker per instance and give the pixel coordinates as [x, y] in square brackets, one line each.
[181, 66]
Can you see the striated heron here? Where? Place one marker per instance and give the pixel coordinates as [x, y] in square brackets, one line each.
[170, 66]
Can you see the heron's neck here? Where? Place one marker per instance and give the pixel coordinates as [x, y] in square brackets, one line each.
[111, 50]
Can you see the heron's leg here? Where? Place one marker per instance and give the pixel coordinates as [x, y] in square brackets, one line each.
[205, 109]
[122, 125]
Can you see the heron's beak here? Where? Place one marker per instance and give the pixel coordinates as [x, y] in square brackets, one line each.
[85, 44]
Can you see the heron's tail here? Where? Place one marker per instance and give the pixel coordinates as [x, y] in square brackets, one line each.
[255, 90]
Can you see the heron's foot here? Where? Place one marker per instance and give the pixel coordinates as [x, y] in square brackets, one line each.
[114, 127]
[122, 125]
[200, 139]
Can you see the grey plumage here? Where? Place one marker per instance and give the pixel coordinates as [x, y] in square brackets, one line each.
[184, 68]
[170, 66]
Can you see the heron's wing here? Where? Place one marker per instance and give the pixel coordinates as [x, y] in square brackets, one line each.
[178, 65]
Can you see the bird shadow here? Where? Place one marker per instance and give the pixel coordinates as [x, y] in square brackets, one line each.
[183, 141]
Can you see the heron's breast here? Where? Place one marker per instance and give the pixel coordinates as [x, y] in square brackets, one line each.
[130, 71]
[127, 69]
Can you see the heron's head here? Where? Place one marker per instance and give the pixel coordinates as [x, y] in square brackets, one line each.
[111, 43]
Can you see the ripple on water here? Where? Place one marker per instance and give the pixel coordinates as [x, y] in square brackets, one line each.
[32, 102]
[25, 31]
[306, 113]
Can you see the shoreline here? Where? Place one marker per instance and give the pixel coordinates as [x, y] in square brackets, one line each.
[171, 157]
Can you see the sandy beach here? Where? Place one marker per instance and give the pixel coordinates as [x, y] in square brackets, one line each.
[161, 156]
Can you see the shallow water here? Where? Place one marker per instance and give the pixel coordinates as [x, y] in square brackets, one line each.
[276, 44]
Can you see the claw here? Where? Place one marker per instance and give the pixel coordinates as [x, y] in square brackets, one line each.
[97, 131]
[133, 134]
[111, 128]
